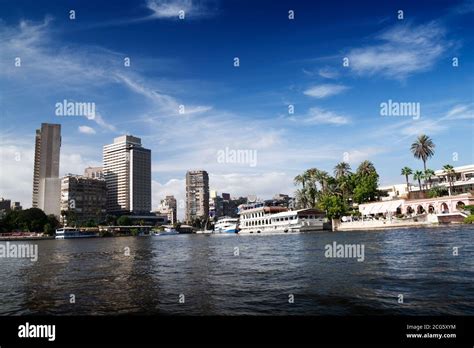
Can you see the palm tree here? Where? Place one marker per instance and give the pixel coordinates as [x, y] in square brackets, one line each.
[418, 175]
[366, 168]
[322, 178]
[306, 194]
[301, 198]
[342, 169]
[344, 184]
[423, 148]
[428, 174]
[449, 170]
[407, 171]
[300, 179]
[311, 189]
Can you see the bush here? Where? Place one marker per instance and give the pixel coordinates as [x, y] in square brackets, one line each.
[437, 191]
[470, 208]
[469, 219]
[124, 221]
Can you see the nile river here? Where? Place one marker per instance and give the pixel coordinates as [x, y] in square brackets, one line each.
[246, 275]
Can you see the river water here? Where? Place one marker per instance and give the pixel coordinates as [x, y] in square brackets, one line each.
[246, 275]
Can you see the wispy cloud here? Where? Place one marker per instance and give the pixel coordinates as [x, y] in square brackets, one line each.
[402, 50]
[328, 73]
[86, 130]
[166, 103]
[324, 91]
[171, 8]
[444, 121]
[321, 116]
[461, 112]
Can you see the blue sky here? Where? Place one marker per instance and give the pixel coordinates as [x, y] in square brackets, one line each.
[190, 62]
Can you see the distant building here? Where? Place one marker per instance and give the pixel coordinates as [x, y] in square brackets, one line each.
[127, 172]
[5, 207]
[215, 205]
[168, 207]
[94, 172]
[197, 195]
[462, 181]
[83, 198]
[394, 191]
[284, 200]
[5, 204]
[230, 206]
[224, 205]
[46, 182]
[16, 206]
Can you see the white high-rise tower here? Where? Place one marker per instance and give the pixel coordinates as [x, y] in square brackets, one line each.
[127, 173]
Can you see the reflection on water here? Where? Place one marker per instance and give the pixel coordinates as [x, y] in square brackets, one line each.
[417, 263]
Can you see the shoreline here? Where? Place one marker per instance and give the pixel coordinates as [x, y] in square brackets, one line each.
[348, 229]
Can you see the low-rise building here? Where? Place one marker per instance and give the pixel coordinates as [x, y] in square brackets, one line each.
[94, 172]
[168, 207]
[82, 199]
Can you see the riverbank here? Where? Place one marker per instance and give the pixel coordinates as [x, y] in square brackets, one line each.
[429, 220]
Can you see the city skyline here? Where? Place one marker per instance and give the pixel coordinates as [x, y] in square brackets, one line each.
[248, 109]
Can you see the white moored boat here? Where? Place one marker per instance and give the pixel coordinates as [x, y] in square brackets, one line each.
[268, 219]
[226, 225]
[71, 232]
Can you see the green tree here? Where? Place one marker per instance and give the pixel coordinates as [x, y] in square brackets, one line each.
[111, 220]
[341, 169]
[124, 221]
[32, 219]
[418, 175]
[429, 173]
[90, 223]
[407, 172]
[366, 168]
[333, 206]
[423, 148]
[301, 193]
[449, 172]
[311, 188]
[323, 179]
[437, 191]
[366, 188]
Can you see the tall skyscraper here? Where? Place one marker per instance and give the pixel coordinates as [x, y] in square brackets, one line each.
[197, 195]
[127, 173]
[46, 182]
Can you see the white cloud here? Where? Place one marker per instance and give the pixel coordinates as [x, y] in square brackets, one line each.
[460, 112]
[320, 116]
[355, 156]
[403, 50]
[172, 8]
[16, 171]
[416, 128]
[324, 91]
[328, 73]
[165, 102]
[86, 130]
[87, 68]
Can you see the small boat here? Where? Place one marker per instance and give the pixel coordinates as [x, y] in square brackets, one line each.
[71, 232]
[205, 232]
[226, 225]
[168, 231]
